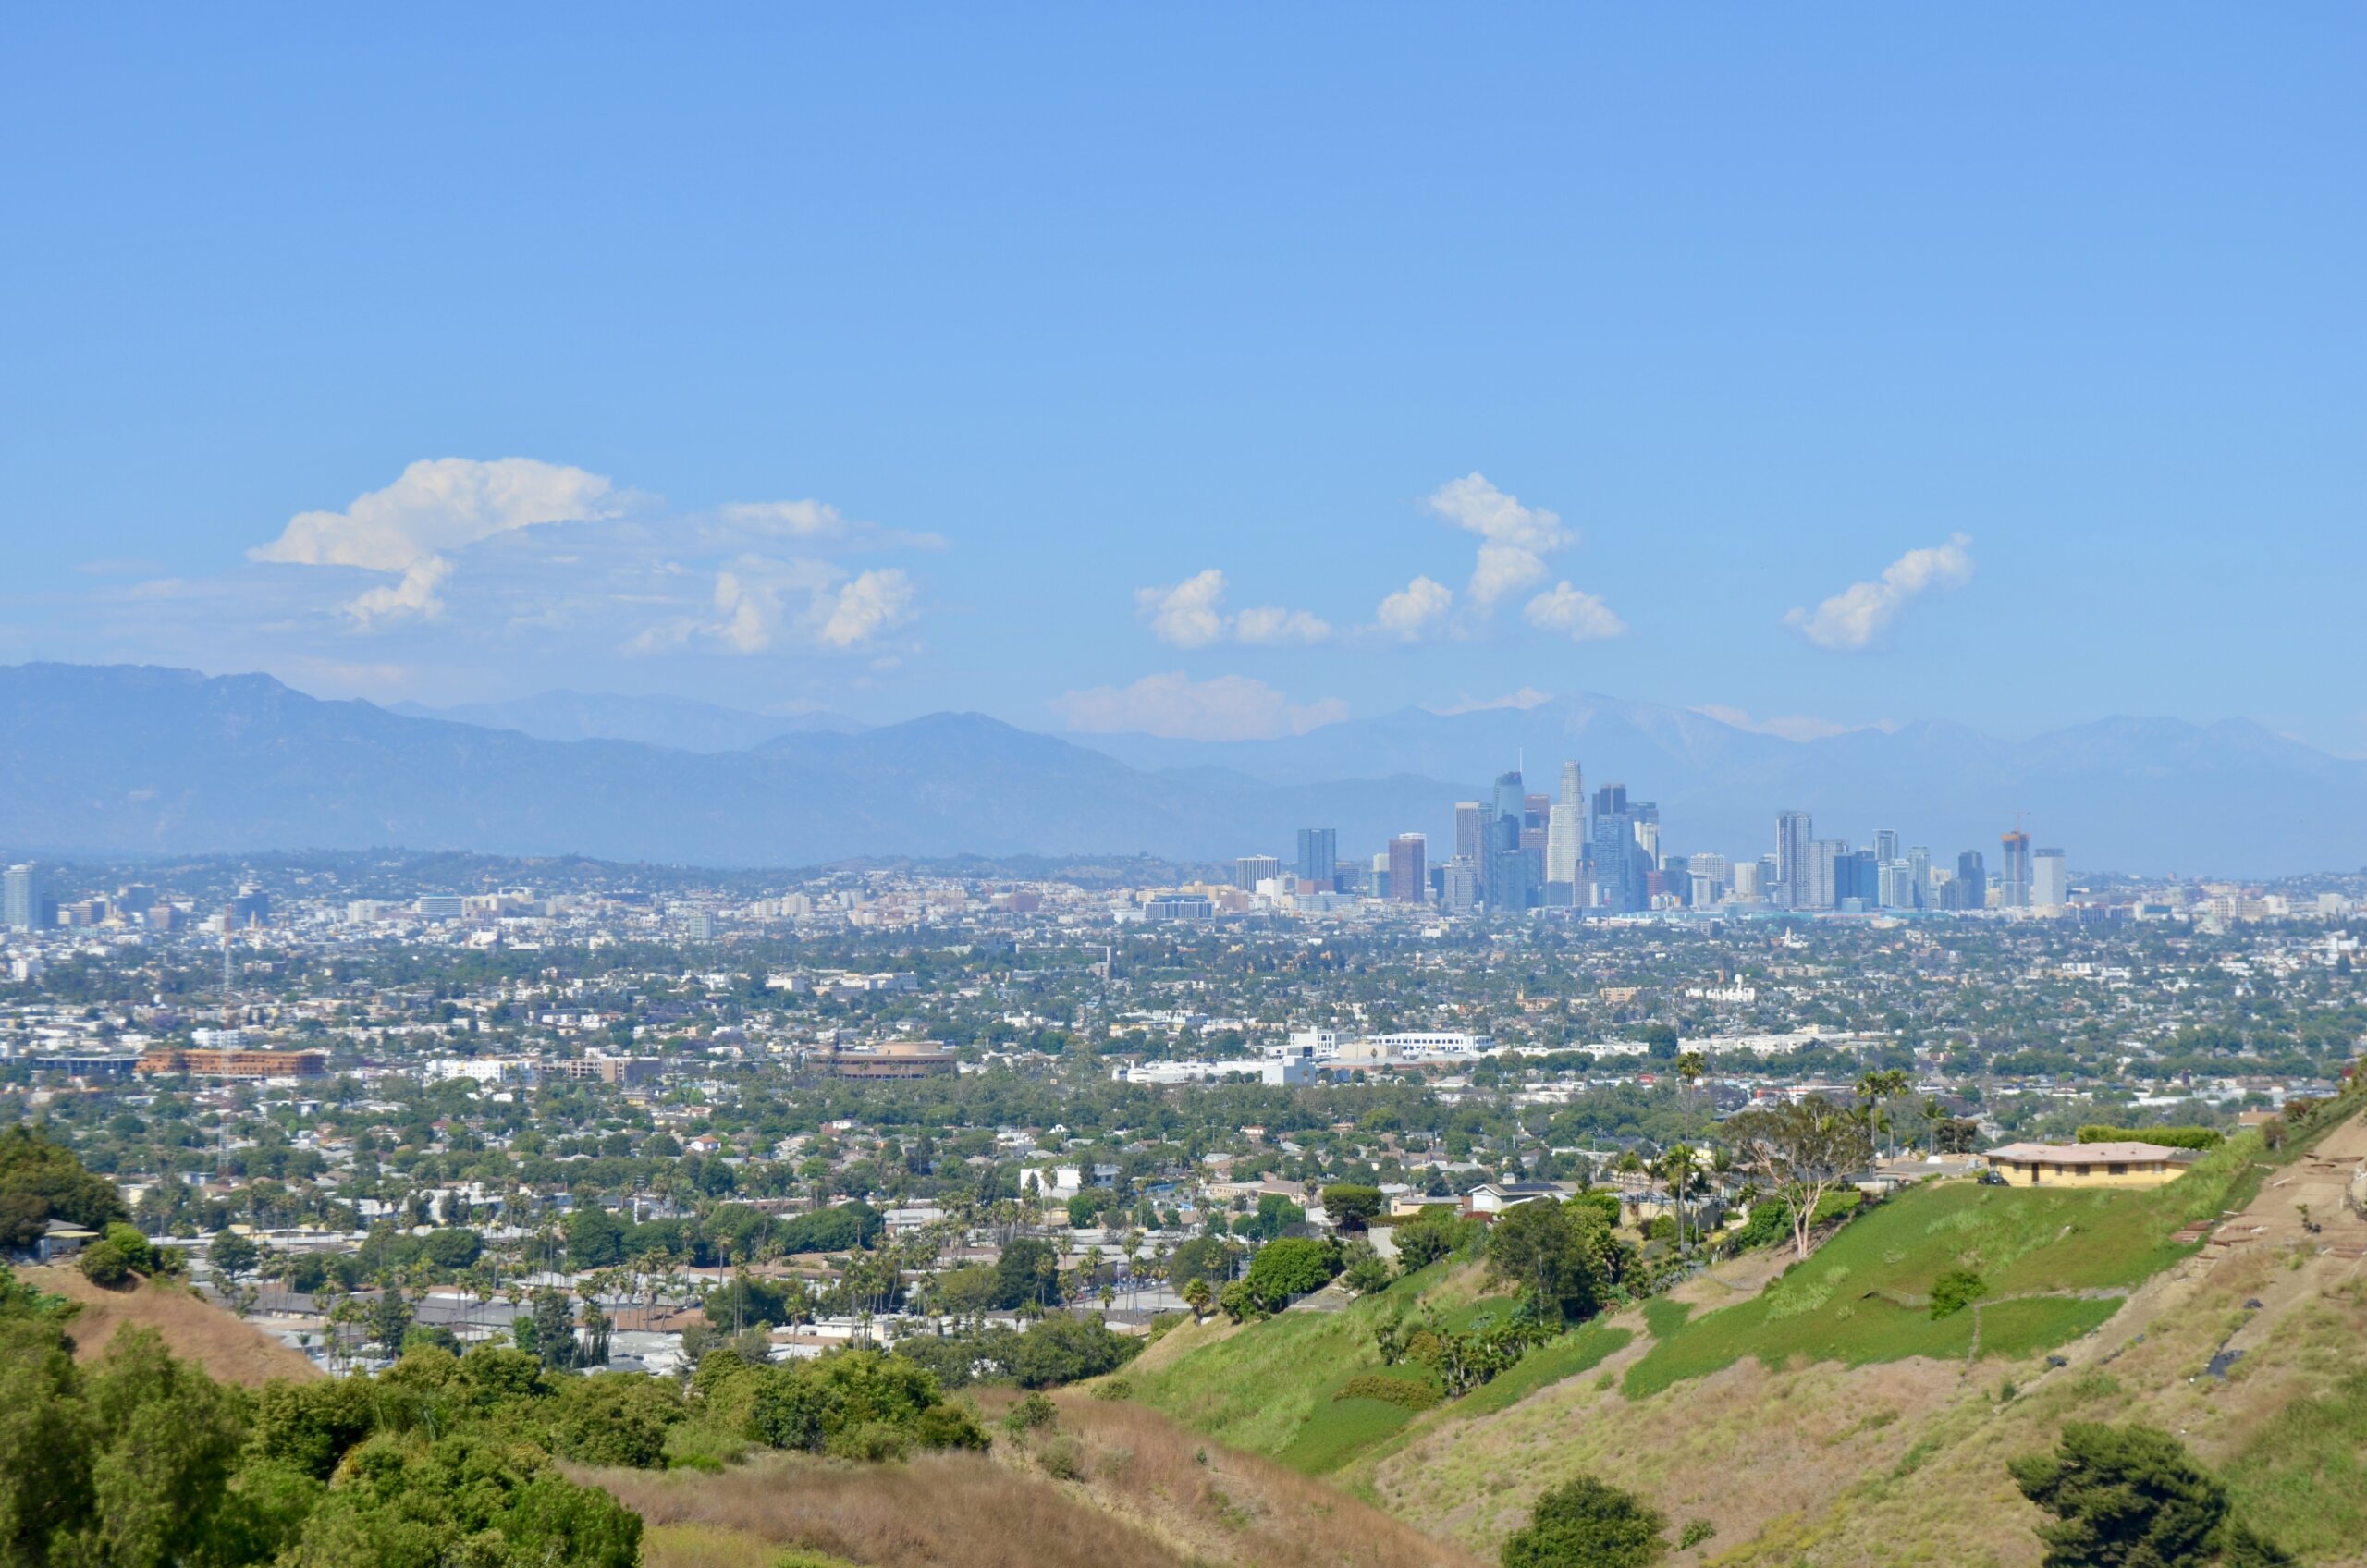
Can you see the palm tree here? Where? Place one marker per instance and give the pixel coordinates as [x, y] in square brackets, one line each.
[1676, 1169]
[1691, 1067]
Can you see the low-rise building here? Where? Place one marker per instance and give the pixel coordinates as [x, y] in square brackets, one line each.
[2090, 1165]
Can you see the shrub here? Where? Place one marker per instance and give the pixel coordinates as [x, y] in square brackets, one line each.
[1588, 1524]
[2126, 1495]
[1063, 1460]
[1030, 1414]
[2196, 1138]
[1115, 1388]
[851, 1404]
[104, 1265]
[1954, 1290]
[1695, 1532]
[1291, 1268]
[1061, 1349]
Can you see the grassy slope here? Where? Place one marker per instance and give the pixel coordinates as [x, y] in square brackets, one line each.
[1270, 1387]
[228, 1347]
[1832, 1420]
[1861, 1297]
[1140, 1490]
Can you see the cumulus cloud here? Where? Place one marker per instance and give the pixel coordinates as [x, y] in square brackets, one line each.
[1191, 614]
[1186, 615]
[1790, 726]
[1229, 707]
[1269, 624]
[1861, 614]
[759, 604]
[1581, 617]
[873, 603]
[438, 505]
[1515, 539]
[1415, 609]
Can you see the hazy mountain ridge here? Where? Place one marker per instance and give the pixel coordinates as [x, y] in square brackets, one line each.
[142, 759]
[679, 723]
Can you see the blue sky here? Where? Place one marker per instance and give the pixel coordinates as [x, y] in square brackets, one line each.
[1833, 364]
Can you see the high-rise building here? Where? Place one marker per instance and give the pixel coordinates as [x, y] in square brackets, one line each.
[1460, 894]
[1823, 886]
[1566, 830]
[1918, 876]
[1619, 889]
[1409, 872]
[21, 898]
[1856, 880]
[1471, 818]
[1749, 886]
[1793, 833]
[1885, 845]
[1250, 870]
[2015, 877]
[1970, 889]
[2050, 881]
[1534, 809]
[1318, 855]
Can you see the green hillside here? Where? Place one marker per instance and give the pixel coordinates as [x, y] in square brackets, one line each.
[1831, 1417]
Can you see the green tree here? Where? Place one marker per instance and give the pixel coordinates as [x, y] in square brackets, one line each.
[2131, 1497]
[104, 1265]
[1588, 1523]
[1803, 1151]
[1353, 1206]
[595, 1240]
[1561, 1254]
[233, 1253]
[390, 1319]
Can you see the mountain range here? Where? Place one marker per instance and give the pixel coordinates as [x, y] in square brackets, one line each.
[138, 759]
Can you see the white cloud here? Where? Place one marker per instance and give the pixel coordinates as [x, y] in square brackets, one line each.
[1229, 707]
[1411, 611]
[1861, 614]
[875, 602]
[1528, 697]
[1789, 727]
[1515, 539]
[1192, 615]
[760, 603]
[437, 506]
[1269, 624]
[791, 520]
[1186, 615]
[1583, 616]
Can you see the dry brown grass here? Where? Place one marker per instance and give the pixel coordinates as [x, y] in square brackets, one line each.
[940, 1511]
[231, 1350]
[1146, 1492]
